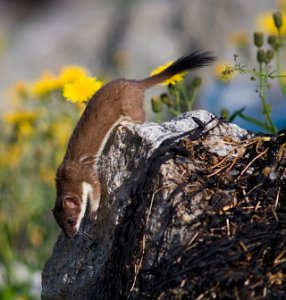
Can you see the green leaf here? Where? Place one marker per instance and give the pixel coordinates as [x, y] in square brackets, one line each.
[254, 121]
[235, 114]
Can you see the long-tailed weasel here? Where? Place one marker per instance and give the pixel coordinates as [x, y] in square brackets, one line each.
[121, 99]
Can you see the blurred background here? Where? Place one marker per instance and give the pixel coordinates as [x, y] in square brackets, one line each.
[107, 39]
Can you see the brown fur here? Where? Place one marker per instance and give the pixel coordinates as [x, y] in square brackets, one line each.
[117, 100]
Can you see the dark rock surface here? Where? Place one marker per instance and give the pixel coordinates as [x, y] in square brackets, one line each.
[188, 208]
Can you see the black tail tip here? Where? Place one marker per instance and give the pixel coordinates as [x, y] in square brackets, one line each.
[192, 61]
[200, 58]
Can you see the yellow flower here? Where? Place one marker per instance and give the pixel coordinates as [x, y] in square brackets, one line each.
[239, 39]
[61, 130]
[47, 175]
[58, 159]
[281, 5]
[172, 80]
[82, 89]
[23, 122]
[25, 129]
[15, 154]
[36, 236]
[72, 73]
[265, 23]
[223, 71]
[46, 84]
[21, 88]
[15, 118]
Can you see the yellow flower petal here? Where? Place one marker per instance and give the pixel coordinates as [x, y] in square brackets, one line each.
[61, 130]
[21, 88]
[46, 84]
[265, 23]
[223, 71]
[281, 5]
[172, 80]
[21, 117]
[71, 73]
[25, 129]
[82, 89]
[14, 154]
[239, 39]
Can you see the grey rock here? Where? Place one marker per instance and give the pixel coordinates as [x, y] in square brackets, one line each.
[142, 187]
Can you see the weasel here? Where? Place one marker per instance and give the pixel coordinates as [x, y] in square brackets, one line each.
[121, 99]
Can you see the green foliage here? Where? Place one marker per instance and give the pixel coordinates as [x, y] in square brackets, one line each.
[181, 96]
[264, 73]
[33, 142]
[16, 291]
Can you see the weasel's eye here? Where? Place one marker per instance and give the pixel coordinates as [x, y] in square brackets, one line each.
[69, 221]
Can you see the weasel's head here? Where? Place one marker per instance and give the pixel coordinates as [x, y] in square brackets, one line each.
[71, 202]
[67, 212]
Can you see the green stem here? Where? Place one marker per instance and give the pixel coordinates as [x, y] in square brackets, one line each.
[278, 64]
[177, 101]
[193, 98]
[174, 112]
[184, 93]
[158, 117]
[235, 114]
[265, 107]
[253, 121]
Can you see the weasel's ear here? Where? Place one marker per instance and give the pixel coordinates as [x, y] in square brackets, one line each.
[71, 203]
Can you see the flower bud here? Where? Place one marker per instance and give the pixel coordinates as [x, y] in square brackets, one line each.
[224, 113]
[258, 39]
[156, 104]
[278, 21]
[261, 56]
[273, 41]
[197, 81]
[172, 89]
[166, 100]
[269, 55]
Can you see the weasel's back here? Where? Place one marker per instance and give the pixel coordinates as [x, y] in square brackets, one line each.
[120, 100]
[116, 101]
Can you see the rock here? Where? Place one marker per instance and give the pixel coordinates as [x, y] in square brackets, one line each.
[176, 198]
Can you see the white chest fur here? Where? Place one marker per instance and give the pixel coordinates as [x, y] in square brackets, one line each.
[86, 191]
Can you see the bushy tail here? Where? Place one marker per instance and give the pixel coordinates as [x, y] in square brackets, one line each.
[189, 62]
